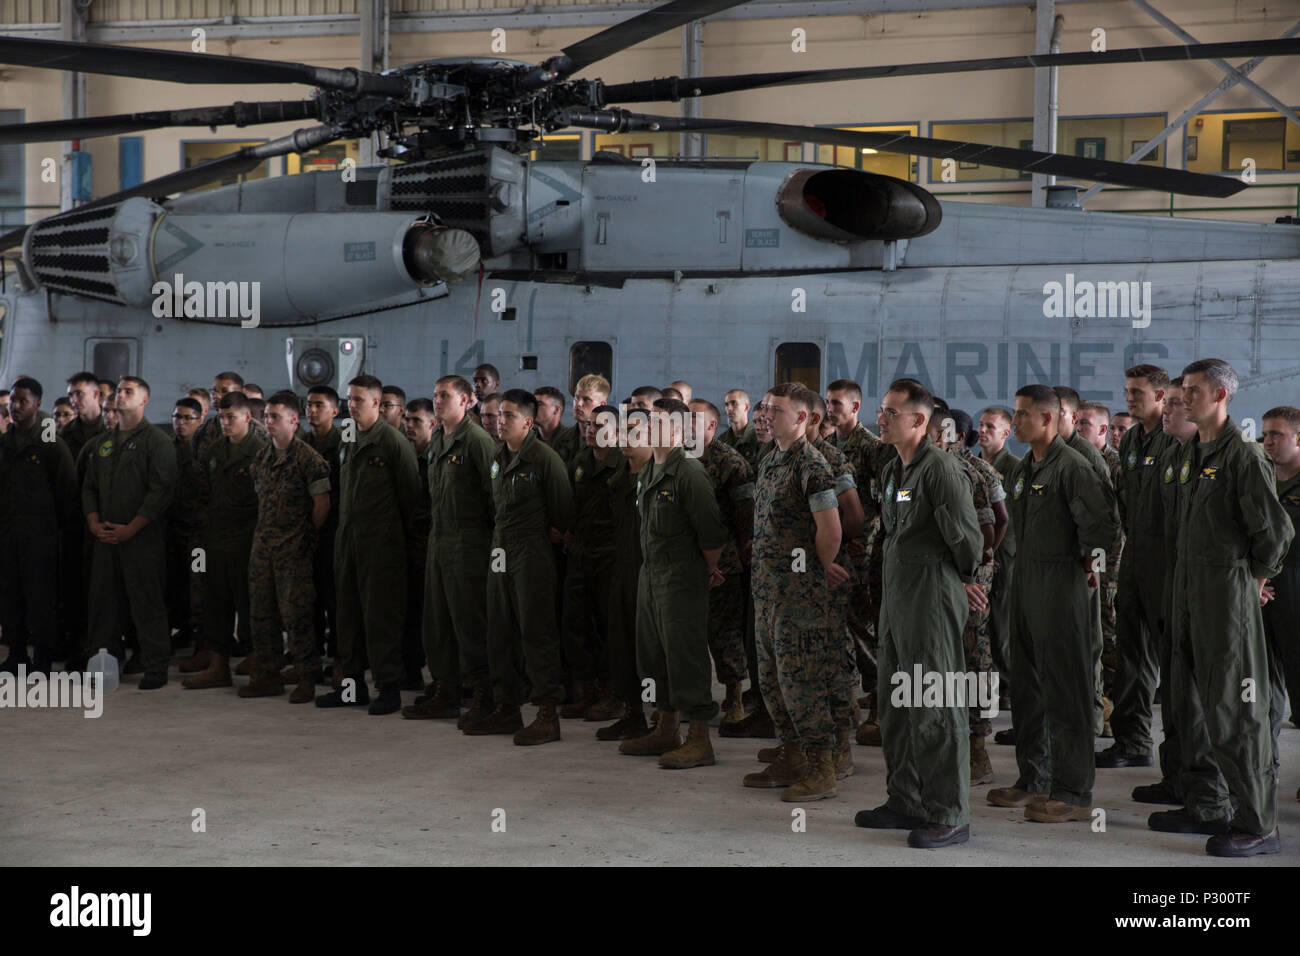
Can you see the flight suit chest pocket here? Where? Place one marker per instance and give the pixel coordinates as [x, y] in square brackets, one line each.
[665, 512]
[521, 486]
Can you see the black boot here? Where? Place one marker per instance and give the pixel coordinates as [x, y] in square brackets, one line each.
[633, 725]
[335, 697]
[389, 700]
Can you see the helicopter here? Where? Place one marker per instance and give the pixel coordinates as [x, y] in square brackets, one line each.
[464, 249]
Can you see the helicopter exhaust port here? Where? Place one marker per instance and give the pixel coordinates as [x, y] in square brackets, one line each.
[848, 205]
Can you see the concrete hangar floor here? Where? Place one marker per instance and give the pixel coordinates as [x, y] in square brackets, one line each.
[281, 785]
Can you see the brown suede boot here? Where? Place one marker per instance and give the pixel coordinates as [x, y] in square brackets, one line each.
[479, 708]
[869, 735]
[818, 783]
[304, 693]
[246, 666]
[981, 768]
[315, 674]
[658, 742]
[444, 704]
[606, 707]
[697, 751]
[544, 728]
[263, 687]
[586, 697]
[843, 753]
[788, 768]
[733, 707]
[768, 754]
[217, 674]
[198, 661]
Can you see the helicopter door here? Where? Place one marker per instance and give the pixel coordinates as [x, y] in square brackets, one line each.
[590, 358]
[799, 362]
[111, 358]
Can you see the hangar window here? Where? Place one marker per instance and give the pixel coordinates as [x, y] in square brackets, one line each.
[799, 362]
[590, 358]
[328, 158]
[1219, 142]
[193, 153]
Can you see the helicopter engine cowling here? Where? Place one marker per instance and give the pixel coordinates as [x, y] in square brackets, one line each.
[848, 205]
[301, 265]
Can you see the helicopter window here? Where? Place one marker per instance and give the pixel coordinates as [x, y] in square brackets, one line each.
[799, 362]
[110, 359]
[590, 358]
[528, 363]
[509, 314]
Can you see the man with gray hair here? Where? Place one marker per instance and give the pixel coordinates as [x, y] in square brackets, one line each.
[1232, 536]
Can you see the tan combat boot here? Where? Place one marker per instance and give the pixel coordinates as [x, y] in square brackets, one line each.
[198, 661]
[869, 735]
[1056, 811]
[246, 665]
[606, 707]
[789, 767]
[304, 693]
[217, 674]
[818, 783]
[271, 686]
[843, 753]
[981, 768]
[661, 740]
[696, 752]
[768, 754]
[544, 728]
[733, 707]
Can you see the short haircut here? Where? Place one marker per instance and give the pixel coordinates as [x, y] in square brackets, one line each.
[639, 414]
[1288, 413]
[672, 405]
[1043, 397]
[286, 399]
[250, 387]
[737, 391]
[257, 408]
[458, 383]
[1069, 398]
[1173, 383]
[63, 400]
[521, 399]
[647, 391]
[818, 404]
[191, 403]
[1217, 372]
[550, 392]
[29, 384]
[368, 382]
[84, 378]
[137, 382]
[490, 369]
[846, 385]
[230, 377]
[1099, 407]
[394, 390]
[494, 397]
[201, 396]
[669, 392]
[417, 405]
[236, 401]
[602, 410]
[1154, 375]
[916, 396]
[593, 383]
[797, 394]
[998, 411]
[327, 391]
[940, 404]
[961, 422]
[709, 408]
[1119, 415]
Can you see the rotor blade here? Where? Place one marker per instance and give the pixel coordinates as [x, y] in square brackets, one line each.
[675, 87]
[238, 114]
[11, 239]
[1002, 157]
[176, 66]
[643, 26]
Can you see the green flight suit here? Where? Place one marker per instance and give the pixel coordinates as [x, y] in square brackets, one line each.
[456, 566]
[1231, 530]
[228, 540]
[130, 473]
[38, 503]
[1062, 510]
[1282, 620]
[746, 443]
[589, 564]
[78, 432]
[413, 656]
[372, 550]
[931, 546]
[1141, 642]
[531, 495]
[1004, 462]
[325, 610]
[623, 679]
[78, 543]
[679, 520]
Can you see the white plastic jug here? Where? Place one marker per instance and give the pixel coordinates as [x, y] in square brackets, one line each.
[105, 665]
